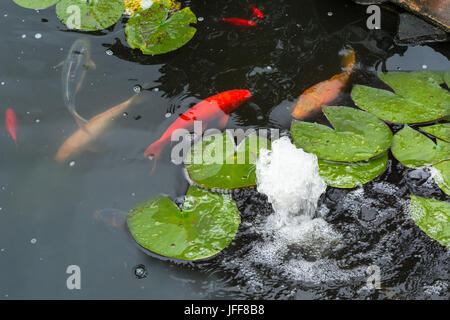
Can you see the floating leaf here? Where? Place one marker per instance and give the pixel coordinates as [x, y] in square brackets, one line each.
[415, 150]
[418, 98]
[442, 176]
[206, 225]
[439, 130]
[229, 167]
[36, 4]
[432, 217]
[447, 78]
[358, 135]
[154, 32]
[89, 15]
[351, 174]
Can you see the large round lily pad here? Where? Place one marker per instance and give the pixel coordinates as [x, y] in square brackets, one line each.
[432, 217]
[439, 130]
[229, 167]
[206, 225]
[418, 98]
[415, 150]
[36, 4]
[442, 176]
[155, 32]
[352, 174]
[89, 15]
[357, 135]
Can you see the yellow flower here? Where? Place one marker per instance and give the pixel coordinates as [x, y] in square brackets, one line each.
[131, 6]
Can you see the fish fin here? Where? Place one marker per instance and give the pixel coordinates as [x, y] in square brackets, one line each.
[59, 65]
[154, 151]
[91, 64]
[348, 59]
[223, 121]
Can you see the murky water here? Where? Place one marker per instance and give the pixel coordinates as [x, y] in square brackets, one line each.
[48, 217]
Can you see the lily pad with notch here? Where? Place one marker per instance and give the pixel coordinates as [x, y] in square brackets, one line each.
[206, 225]
[357, 135]
[418, 97]
[228, 167]
[432, 217]
[439, 130]
[36, 4]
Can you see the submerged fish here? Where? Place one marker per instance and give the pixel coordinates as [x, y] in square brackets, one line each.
[11, 124]
[326, 91]
[257, 13]
[81, 139]
[239, 22]
[114, 219]
[74, 70]
[215, 107]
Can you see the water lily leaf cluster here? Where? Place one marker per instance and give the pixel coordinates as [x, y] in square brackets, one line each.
[352, 153]
[207, 224]
[154, 27]
[216, 162]
[432, 217]
[408, 104]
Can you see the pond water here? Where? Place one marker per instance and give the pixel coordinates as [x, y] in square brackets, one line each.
[49, 212]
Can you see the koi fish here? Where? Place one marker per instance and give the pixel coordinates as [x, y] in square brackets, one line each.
[257, 13]
[215, 107]
[326, 91]
[78, 61]
[114, 219]
[84, 136]
[239, 22]
[11, 124]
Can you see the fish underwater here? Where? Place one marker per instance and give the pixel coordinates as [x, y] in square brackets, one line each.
[216, 107]
[256, 12]
[326, 91]
[239, 22]
[11, 124]
[78, 61]
[87, 134]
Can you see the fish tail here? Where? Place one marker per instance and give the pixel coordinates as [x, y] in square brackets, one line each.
[348, 59]
[154, 151]
[79, 119]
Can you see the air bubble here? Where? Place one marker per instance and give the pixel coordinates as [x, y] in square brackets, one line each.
[72, 163]
[200, 19]
[24, 36]
[167, 115]
[109, 52]
[330, 13]
[33, 241]
[38, 35]
[137, 88]
[140, 271]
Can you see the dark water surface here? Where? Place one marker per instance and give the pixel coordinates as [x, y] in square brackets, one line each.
[47, 210]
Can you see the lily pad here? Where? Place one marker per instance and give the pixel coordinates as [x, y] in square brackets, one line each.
[155, 32]
[89, 15]
[357, 135]
[206, 225]
[417, 99]
[229, 167]
[442, 176]
[439, 130]
[447, 78]
[351, 174]
[432, 217]
[36, 4]
[415, 150]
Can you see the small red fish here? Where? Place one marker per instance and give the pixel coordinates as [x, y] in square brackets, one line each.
[11, 124]
[257, 13]
[215, 107]
[239, 22]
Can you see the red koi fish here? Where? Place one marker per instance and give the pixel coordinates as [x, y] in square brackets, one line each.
[239, 22]
[257, 13]
[326, 91]
[11, 124]
[215, 107]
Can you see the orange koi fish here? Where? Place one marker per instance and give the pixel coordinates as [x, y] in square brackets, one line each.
[215, 107]
[257, 13]
[81, 139]
[11, 124]
[326, 91]
[239, 22]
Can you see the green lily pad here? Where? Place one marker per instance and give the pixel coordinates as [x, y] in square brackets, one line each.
[447, 78]
[154, 32]
[206, 225]
[432, 217]
[415, 150]
[358, 135]
[229, 167]
[36, 4]
[442, 176]
[89, 15]
[351, 174]
[418, 97]
[439, 130]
